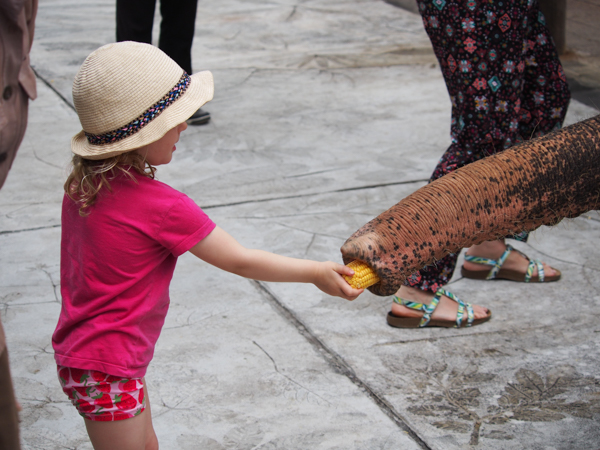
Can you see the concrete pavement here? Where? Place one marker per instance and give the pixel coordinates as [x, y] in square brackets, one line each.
[325, 114]
[581, 59]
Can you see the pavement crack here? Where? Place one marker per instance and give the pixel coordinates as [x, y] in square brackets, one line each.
[188, 321]
[438, 338]
[338, 364]
[43, 351]
[15, 305]
[171, 408]
[312, 194]
[55, 286]
[36, 156]
[232, 38]
[465, 335]
[547, 255]
[29, 229]
[292, 14]
[314, 235]
[312, 241]
[250, 75]
[53, 89]
[316, 172]
[287, 377]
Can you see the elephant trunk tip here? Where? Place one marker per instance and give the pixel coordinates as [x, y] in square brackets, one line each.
[362, 249]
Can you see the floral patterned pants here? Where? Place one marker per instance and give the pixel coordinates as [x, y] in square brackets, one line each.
[505, 82]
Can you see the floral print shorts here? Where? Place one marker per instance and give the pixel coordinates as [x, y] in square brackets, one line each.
[100, 396]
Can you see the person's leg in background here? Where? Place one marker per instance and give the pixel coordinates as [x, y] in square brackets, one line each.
[481, 53]
[17, 87]
[543, 103]
[177, 30]
[176, 37]
[545, 97]
[9, 418]
[135, 19]
[17, 104]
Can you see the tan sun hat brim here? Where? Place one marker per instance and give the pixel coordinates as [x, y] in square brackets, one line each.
[199, 92]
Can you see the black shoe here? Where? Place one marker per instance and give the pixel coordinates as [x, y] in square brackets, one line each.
[200, 117]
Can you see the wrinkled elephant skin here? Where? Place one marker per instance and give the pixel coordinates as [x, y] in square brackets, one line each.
[538, 182]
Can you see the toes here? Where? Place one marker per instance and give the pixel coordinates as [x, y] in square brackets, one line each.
[551, 271]
[480, 311]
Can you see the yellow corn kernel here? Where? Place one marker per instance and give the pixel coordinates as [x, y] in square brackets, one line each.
[363, 277]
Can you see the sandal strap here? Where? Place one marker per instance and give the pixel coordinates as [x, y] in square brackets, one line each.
[533, 263]
[428, 309]
[462, 306]
[496, 264]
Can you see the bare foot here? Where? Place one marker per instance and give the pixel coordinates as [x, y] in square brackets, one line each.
[494, 250]
[446, 309]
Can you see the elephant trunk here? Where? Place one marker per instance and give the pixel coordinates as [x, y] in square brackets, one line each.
[538, 182]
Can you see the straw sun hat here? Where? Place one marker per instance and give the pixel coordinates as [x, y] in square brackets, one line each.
[128, 95]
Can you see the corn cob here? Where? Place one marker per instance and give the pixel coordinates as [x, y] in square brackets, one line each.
[363, 277]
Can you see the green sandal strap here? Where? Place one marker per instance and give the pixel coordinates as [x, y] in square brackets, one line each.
[461, 308]
[533, 263]
[428, 309]
[496, 264]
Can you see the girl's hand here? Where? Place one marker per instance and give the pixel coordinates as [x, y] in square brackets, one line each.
[328, 278]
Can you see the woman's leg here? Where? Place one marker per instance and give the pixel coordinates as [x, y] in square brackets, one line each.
[136, 433]
[177, 29]
[545, 97]
[135, 19]
[469, 40]
[544, 102]
[9, 418]
[480, 50]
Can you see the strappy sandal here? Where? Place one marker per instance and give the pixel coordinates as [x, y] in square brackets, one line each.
[498, 273]
[427, 321]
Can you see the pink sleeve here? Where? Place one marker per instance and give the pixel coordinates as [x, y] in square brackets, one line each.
[184, 226]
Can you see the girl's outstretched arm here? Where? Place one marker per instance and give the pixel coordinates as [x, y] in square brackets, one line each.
[220, 249]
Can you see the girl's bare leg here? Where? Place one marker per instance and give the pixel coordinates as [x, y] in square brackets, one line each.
[136, 433]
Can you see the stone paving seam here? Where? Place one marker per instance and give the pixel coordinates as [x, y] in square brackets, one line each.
[443, 338]
[338, 363]
[53, 89]
[29, 229]
[313, 194]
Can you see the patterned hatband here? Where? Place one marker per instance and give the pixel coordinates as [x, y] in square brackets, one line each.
[148, 115]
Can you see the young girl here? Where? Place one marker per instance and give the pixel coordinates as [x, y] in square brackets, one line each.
[122, 232]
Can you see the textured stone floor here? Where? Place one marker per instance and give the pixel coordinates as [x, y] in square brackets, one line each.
[325, 114]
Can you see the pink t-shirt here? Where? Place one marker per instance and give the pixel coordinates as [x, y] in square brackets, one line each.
[116, 267]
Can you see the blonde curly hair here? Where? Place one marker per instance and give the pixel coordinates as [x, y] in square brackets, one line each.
[88, 177]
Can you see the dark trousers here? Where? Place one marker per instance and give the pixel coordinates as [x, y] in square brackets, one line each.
[136, 17]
